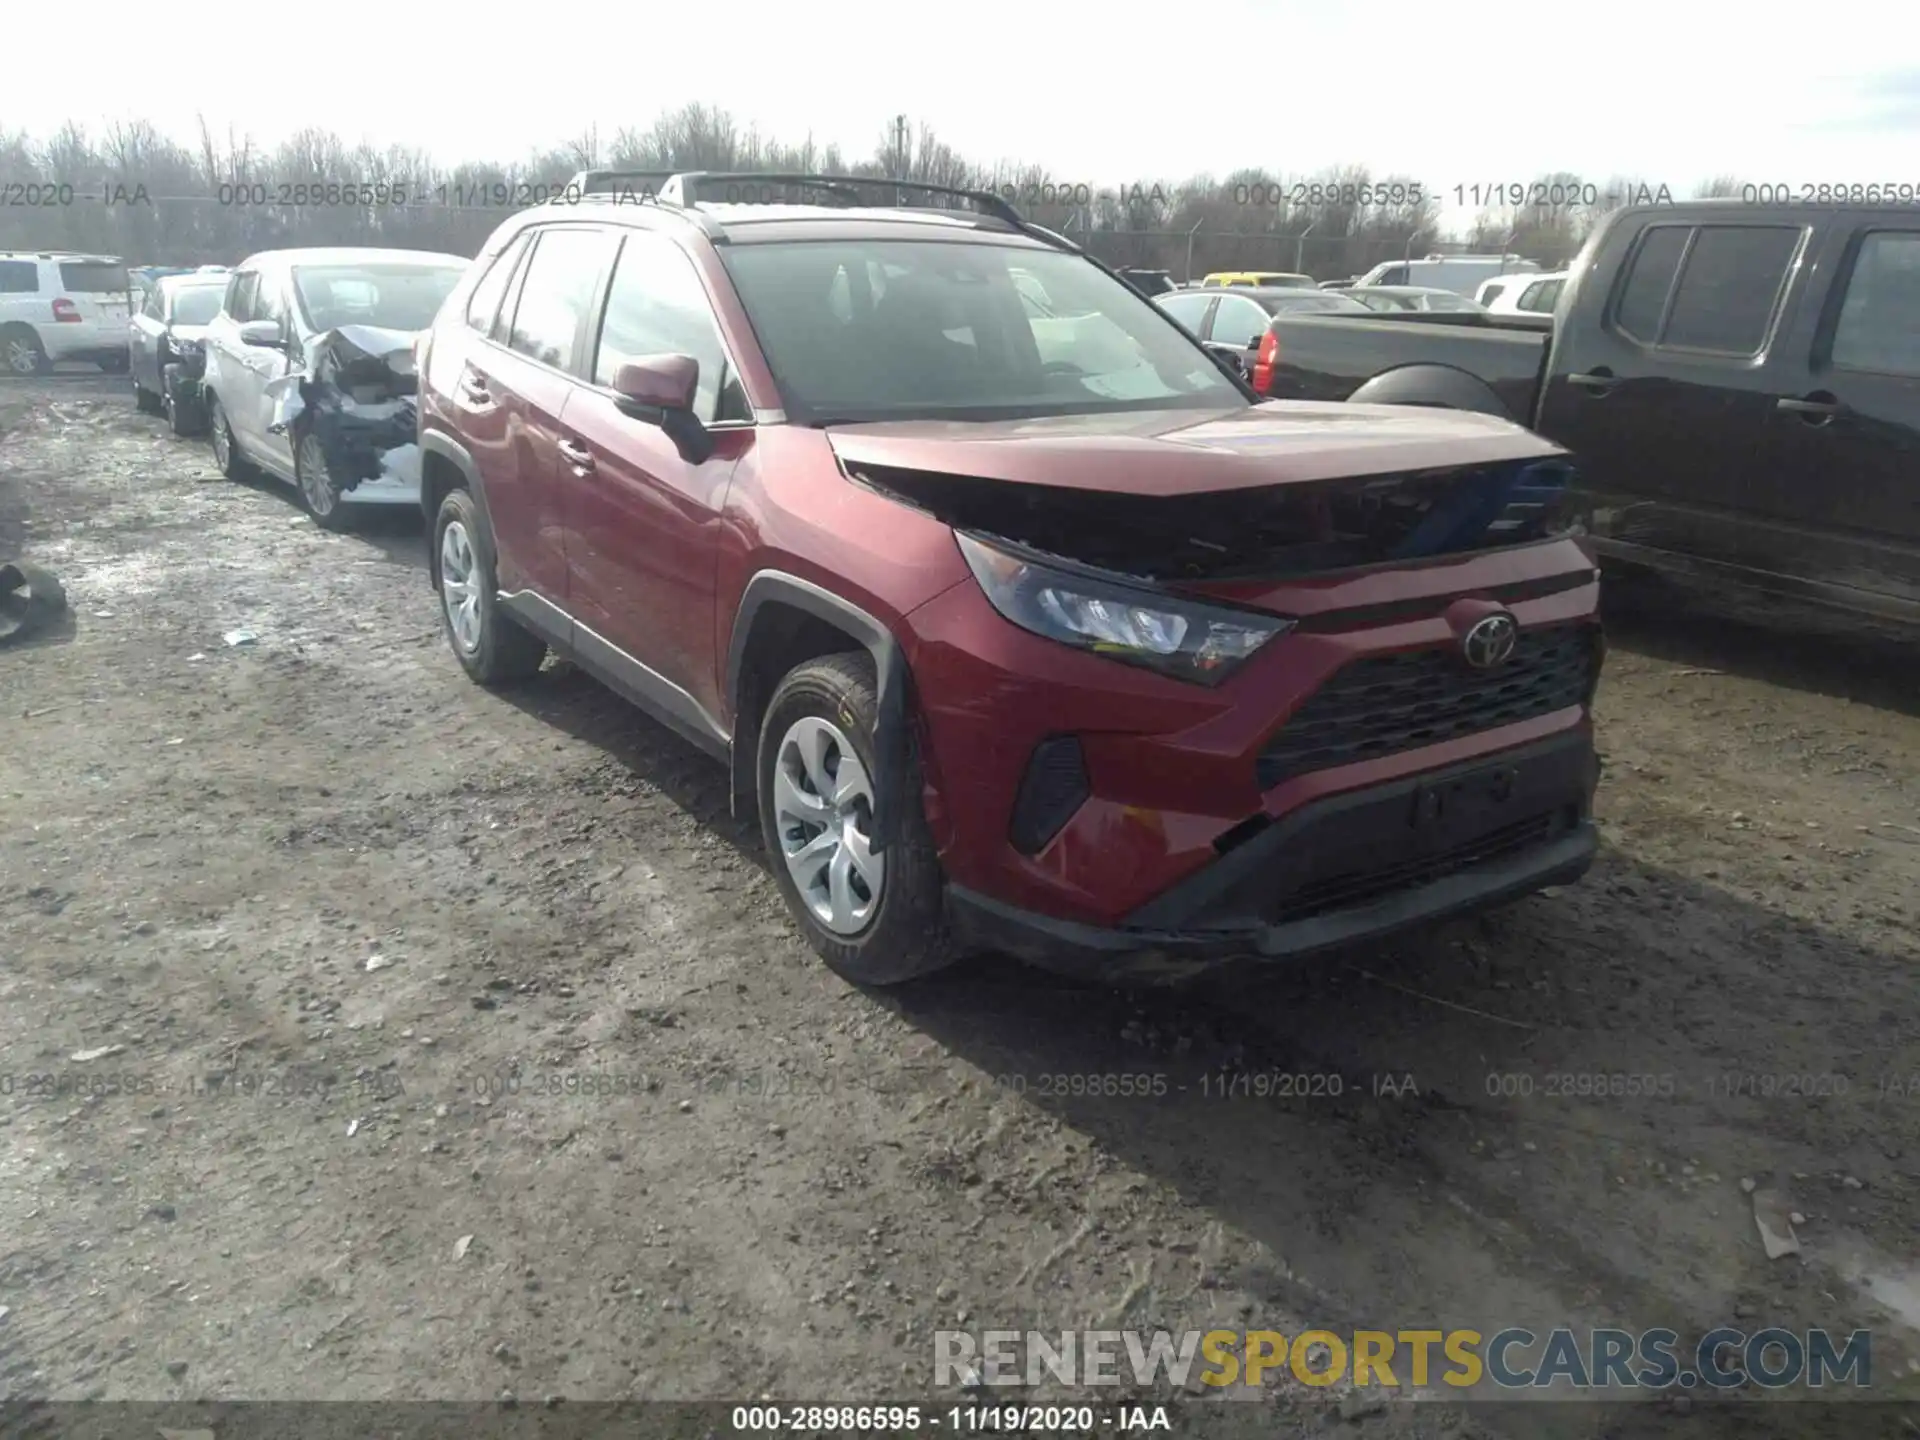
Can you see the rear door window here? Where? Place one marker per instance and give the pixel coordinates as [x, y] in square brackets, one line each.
[1649, 280]
[562, 277]
[1730, 288]
[484, 303]
[1189, 310]
[19, 277]
[1878, 329]
[1237, 321]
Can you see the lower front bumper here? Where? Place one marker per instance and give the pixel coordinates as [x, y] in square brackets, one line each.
[1351, 868]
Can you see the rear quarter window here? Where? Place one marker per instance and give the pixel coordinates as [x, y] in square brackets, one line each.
[19, 277]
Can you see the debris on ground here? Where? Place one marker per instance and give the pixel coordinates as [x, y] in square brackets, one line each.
[30, 599]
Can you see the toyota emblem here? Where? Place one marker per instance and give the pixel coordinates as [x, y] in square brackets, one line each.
[1490, 642]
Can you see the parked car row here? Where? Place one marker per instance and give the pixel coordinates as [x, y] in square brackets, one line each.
[297, 364]
[806, 482]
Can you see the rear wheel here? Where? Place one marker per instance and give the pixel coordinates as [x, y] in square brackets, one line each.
[21, 352]
[226, 454]
[488, 642]
[875, 918]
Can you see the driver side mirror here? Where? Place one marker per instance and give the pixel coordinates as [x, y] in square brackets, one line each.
[660, 390]
[264, 334]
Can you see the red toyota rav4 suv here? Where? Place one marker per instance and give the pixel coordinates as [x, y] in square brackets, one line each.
[1022, 621]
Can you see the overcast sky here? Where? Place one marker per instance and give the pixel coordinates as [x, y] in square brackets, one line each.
[1449, 94]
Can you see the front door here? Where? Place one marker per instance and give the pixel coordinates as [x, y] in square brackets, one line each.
[643, 520]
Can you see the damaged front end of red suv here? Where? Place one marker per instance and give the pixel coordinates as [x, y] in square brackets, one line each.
[1346, 703]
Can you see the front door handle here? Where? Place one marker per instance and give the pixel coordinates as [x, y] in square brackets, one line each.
[1600, 382]
[1816, 409]
[577, 455]
[473, 387]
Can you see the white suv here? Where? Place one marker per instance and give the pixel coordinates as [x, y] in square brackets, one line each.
[58, 306]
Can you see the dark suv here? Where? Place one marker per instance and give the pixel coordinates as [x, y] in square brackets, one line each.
[1021, 620]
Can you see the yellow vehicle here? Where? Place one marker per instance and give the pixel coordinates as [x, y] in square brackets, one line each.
[1266, 279]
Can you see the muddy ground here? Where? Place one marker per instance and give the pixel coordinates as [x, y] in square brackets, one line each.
[324, 856]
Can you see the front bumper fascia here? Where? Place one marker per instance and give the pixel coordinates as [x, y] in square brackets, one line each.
[1207, 919]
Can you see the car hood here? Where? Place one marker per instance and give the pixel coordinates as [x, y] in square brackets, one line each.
[1171, 453]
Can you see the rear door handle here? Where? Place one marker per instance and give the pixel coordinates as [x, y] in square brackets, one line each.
[473, 387]
[1812, 409]
[1599, 381]
[577, 455]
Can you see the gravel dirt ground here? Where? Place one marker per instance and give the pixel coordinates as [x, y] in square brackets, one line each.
[313, 899]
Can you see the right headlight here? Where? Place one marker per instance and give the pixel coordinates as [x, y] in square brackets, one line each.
[1187, 639]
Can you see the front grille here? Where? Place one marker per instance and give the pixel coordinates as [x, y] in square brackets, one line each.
[1356, 887]
[1388, 703]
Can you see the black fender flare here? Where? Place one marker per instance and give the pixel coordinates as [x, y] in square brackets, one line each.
[890, 737]
[436, 442]
[1438, 385]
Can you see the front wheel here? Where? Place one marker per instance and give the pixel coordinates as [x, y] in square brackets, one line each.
[876, 918]
[115, 364]
[146, 402]
[319, 491]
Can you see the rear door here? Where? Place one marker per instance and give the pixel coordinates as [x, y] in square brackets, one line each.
[1660, 384]
[1234, 329]
[1840, 449]
[143, 357]
[529, 377]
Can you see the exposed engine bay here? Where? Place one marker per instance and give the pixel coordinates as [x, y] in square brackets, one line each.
[1267, 533]
[356, 393]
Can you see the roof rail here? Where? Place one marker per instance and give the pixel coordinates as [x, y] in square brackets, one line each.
[684, 189]
[600, 182]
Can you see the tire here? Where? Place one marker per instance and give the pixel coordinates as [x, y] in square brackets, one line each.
[181, 419]
[226, 455]
[115, 364]
[319, 492]
[146, 402]
[497, 650]
[900, 932]
[21, 352]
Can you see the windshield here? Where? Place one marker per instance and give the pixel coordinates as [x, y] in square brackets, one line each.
[88, 278]
[905, 329]
[197, 304]
[393, 296]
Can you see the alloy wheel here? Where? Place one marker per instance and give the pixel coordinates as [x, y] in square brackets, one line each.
[459, 587]
[316, 481]
[823, 808]
[21, 356]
